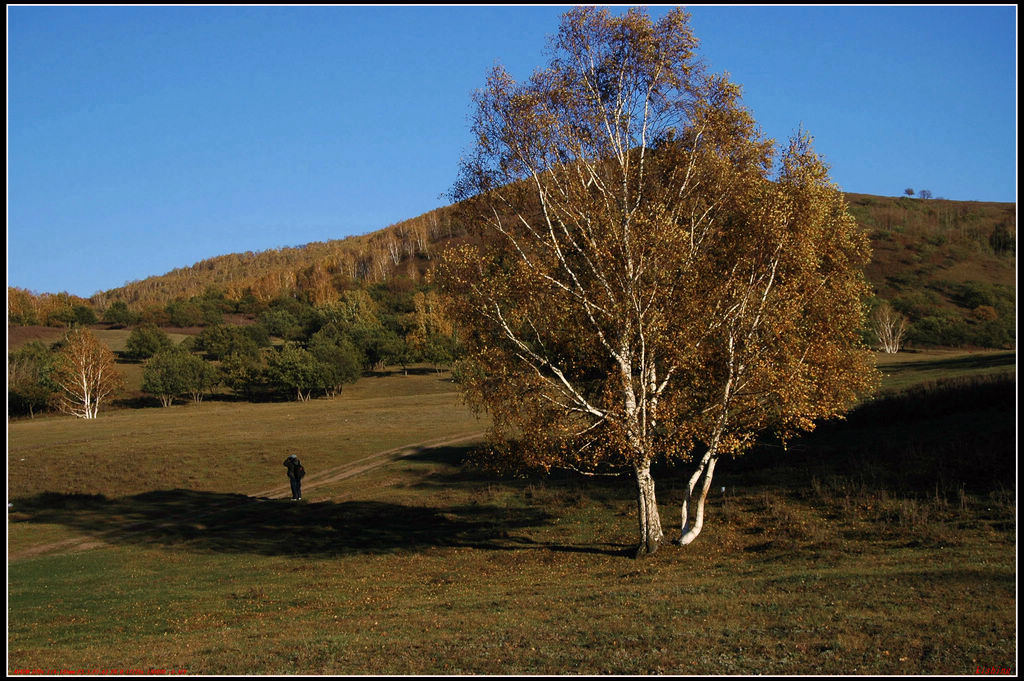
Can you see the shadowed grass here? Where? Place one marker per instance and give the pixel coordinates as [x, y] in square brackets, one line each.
[234, 523]
[765, 593]
[955, 433]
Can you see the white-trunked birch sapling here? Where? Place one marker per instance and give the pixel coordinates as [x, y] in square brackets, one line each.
[889, 327]
[85, 373]
[644, 285]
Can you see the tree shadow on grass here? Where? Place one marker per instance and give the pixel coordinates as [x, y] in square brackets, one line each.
[462, 465]
[235, 523]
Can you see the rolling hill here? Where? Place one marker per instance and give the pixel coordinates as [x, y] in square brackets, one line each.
[948, 266]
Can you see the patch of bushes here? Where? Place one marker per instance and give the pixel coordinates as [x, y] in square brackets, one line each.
[946, 329]
[146, 341]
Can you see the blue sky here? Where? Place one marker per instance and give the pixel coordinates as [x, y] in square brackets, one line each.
[149, 138]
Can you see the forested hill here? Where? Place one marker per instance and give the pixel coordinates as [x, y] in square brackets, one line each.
[949, 266]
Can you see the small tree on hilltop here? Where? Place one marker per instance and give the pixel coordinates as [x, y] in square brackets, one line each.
[85, 372]
[649, 288]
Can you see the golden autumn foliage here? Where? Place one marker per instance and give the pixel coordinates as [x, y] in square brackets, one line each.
[45, 309]
[85, 373]
[317, 272]
[658, 280]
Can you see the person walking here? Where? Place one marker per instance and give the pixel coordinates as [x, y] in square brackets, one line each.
[295, 475]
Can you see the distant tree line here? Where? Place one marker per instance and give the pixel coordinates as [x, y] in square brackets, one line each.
[291, 350]
[25, 308]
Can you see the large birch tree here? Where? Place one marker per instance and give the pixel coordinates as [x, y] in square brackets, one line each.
[654, 278]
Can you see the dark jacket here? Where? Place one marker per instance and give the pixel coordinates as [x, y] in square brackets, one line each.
[295, 469]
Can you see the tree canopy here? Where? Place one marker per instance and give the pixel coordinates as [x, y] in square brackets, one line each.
[145, 341]
[659, 280]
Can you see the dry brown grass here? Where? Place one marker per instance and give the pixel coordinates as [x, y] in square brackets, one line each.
[426, 567]
[227, 446]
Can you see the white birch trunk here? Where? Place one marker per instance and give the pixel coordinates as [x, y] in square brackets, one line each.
[690, 530]
[647, 511]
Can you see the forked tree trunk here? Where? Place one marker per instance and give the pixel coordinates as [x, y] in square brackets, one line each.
[647, 512]
[691, 527]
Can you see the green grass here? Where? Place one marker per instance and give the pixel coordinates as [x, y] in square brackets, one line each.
[829, 558]
[907, 369]
[533, 609]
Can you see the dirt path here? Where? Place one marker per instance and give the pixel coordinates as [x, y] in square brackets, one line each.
[352, 468]
[311, 482]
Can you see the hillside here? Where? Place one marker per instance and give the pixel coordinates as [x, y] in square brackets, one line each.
[949, 266]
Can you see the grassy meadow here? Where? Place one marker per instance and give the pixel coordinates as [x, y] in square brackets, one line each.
[909, 369]
[150, 539]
